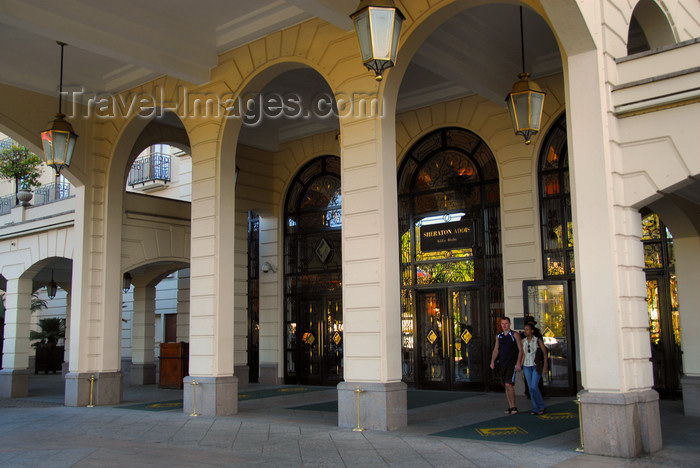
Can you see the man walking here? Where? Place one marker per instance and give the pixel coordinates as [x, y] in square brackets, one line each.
[509, 351]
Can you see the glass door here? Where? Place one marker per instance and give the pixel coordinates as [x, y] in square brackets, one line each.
[450, 339]
[548, 302]
[320, 341]
[664, 331]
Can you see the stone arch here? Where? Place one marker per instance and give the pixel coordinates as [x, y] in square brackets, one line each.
[649, 28]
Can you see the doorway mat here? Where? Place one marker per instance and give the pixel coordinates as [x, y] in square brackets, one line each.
[519, 428]
[415, 399]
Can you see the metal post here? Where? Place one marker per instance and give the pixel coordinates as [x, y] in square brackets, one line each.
[358, 428]
[194, 398]
[580, 422]
[92, 384]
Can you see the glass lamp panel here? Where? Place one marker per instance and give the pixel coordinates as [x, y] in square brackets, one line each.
[381, 21]
[48, 146]
[512, 112]
[537, 100]
[395, 38]
[521, 108]
[364, 34]
[60, 146]
[72, 139]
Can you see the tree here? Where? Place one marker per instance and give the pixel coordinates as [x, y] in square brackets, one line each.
[21, 165]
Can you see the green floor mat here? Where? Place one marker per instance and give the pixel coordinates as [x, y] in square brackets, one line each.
[159, 406]
[275, 392]
[519, 428]
[242, 396]
[415, 399]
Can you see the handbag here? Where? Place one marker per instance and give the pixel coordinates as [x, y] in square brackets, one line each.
[539, 359]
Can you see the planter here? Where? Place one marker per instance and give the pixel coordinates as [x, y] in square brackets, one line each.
[49, 359]
[24, 196]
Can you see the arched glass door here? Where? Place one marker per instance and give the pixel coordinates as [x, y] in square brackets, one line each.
[451, 271]
[313, 275]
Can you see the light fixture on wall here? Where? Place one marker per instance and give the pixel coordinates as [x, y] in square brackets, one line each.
[59, 140]
[378, 26]
[51, 288]
[268, 267]
[126, 284]
[526, 100]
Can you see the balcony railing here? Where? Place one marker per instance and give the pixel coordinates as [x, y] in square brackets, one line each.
[153, 168]
[6, 204]
[50, 193]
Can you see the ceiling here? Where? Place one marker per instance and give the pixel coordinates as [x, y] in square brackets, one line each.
[114, 46]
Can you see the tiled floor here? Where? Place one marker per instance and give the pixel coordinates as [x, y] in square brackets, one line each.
[266, 432]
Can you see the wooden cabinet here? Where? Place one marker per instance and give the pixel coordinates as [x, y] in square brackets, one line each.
[174, 364]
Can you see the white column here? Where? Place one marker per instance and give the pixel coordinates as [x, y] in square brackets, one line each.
[143, 368]
[371, 308]
[620, 410]
[14, 375]
[66, 352]
[687, 251]
[271, 308]
[212, 278]
[95, 334]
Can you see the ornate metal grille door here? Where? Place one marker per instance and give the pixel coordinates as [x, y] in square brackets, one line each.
[313, 275]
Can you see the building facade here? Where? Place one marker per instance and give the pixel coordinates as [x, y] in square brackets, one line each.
[351, 180]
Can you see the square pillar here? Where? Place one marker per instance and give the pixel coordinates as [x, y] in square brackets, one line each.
[212, 277]
[371, 294]
[99, 388]
[620, 409]
[14, 376]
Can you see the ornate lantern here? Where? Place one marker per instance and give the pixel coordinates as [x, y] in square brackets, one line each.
[59, 140]
[378, 25]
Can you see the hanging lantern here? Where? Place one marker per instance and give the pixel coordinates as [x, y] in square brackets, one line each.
[51, 288]
[526, 100]
[59, 140]
[378, 25]
[525, 103]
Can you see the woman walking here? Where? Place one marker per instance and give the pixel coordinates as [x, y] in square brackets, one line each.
[532, 374]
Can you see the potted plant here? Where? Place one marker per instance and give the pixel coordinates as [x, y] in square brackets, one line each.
[24, 167]
[49, 356]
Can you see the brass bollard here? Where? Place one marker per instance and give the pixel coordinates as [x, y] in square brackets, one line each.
[194, 398]
[358, 428]
[580, 422]
[92, 384]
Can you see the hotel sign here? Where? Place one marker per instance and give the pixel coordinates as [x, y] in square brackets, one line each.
[447, 236]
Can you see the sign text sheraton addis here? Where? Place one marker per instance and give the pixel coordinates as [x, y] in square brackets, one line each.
[447, 236]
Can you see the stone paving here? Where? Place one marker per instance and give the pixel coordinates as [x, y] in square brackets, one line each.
[266, 432]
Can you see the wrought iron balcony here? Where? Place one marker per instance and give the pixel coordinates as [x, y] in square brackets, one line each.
[6, 204]
[50, 193]
[150, 172]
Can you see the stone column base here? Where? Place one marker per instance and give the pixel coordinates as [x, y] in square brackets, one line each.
[243, 374]
[383, 406]
[691, 395]
[621, 424]
[268, 374]
[107, 388]
[14, 383]
[213, 396]
[142, 374]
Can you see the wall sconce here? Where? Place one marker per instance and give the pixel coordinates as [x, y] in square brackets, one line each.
[526, 100]
[59, 140]
[51, 288]
[268, 267]
[126, 285]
